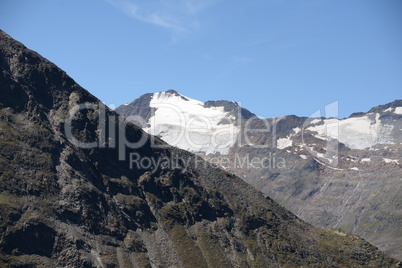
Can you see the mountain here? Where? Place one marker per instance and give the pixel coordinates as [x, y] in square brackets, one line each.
[81, 187]
[331, 173]
[167, 114]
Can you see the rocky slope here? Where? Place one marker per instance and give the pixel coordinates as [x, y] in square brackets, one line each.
[62, 205]
[332, 173]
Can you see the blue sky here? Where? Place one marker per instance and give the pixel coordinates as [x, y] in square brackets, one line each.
[276, 57]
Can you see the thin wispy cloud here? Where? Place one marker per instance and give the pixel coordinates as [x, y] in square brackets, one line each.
[155, 17]
[179, 16]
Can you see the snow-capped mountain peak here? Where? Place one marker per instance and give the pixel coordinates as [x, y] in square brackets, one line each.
[189, 124]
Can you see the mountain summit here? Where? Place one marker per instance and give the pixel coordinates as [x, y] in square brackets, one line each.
[187, 123]
[66, 200]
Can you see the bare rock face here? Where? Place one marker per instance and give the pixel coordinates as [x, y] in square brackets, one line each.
[331, 173]
[62, 205]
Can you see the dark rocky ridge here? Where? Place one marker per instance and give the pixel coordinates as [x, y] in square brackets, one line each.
[139, 107]
[62, 206]
[381, 108]
[232, 107]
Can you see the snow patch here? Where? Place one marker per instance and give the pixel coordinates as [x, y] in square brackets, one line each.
[351, 158]
[387, 160]
[354, 168]
[398, 110]
[296, 130]
[365, 160]
[316, 121]
[187, 124]
[303, 156]
[318, 161]
[355, 132]
[283, 143]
